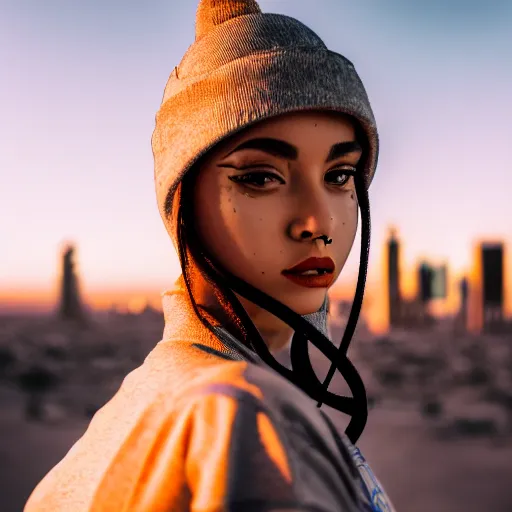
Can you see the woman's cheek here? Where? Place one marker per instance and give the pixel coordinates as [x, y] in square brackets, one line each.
[246, 232]
[232, 228]
[254, 232]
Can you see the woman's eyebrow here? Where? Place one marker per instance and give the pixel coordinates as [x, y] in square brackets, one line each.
[343, 148]
[274, 147]
[283, 149]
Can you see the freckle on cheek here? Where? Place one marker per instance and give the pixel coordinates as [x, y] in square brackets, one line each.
[234, 209]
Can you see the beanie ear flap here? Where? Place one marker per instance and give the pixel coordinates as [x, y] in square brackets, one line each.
[211, 13]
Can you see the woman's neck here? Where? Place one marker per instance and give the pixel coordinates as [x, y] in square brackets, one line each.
[275, 333]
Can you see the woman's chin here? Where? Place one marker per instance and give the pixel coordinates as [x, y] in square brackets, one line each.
[303, 301]
[307, 304]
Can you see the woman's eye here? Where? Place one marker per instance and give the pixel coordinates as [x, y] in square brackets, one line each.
[340, 177]
[257, 179]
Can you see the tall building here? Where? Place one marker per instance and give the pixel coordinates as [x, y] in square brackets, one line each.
[439, 282]
[463, 310]
[394, 296]
[432, 285]
[492, 267]
[425, 282]
[418, 310]
[70, 305]
[486, 311]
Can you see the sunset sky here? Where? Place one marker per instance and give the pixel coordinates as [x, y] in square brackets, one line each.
[82, 81]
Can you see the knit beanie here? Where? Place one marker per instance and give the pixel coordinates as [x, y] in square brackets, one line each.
[246, 66]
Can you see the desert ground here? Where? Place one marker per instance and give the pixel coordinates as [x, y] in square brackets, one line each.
[439, 432]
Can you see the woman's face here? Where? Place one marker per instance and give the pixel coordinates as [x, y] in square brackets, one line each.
[263, 197]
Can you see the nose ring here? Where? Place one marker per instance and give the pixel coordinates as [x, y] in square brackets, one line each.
[326, 239]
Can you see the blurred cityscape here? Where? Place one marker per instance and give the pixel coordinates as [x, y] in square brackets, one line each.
[481, 293]
[454, 372]
[40, 353]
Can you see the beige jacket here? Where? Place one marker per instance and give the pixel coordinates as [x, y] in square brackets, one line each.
[202, 426]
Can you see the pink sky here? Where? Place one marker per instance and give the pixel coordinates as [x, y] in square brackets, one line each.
[85, 81]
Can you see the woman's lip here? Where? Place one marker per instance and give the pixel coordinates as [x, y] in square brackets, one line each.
[311, 281]
[312, 264]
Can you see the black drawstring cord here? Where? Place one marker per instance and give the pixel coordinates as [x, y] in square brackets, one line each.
[364, 204]
[302, 373]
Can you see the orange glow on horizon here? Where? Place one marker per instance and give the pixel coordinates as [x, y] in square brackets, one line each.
[47, 299]
[375, 305]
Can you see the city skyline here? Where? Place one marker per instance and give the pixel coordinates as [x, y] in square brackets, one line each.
[407, 280]
[86, 81]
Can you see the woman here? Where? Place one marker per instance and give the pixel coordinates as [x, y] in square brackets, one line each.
[264, 146]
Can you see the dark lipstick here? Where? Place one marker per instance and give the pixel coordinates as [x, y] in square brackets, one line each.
[312, 273]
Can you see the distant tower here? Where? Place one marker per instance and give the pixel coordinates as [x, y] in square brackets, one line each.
[425, 282]
[492, 280]
[394, 298]
[463, 311]
[486, 288]
[70, 305]
[425, 295]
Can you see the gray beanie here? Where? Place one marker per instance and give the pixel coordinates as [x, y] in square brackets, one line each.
[246, 66]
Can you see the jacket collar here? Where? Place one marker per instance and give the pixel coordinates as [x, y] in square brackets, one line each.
[183, 325]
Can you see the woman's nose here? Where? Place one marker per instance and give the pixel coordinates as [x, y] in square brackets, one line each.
[306, 231]
[308, 227]
[312, 218]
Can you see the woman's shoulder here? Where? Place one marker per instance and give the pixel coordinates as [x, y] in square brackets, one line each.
[104, 464]
[251, 388]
